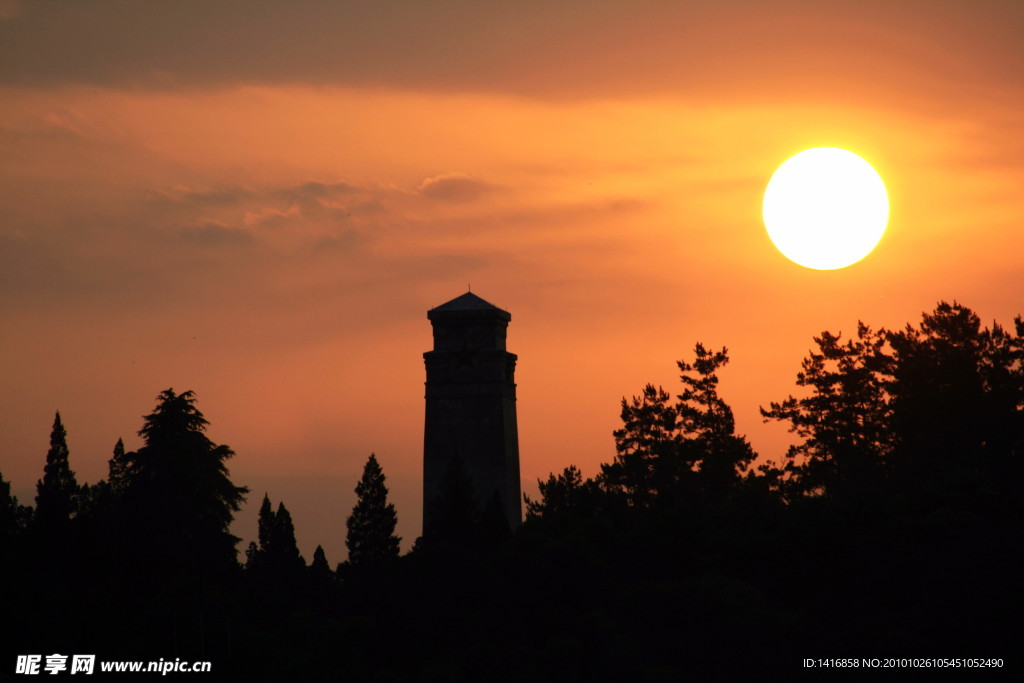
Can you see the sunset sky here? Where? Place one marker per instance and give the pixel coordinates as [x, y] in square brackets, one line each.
[260, 200]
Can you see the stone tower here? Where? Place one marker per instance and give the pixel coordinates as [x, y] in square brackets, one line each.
[471, 405]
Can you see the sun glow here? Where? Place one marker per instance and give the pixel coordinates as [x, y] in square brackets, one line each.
[825, 208]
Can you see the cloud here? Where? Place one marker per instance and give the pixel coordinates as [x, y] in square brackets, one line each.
[453, 187]
[313, 188]
[270, 217]
[211, 233]
[64, 245]
[534, 47]
[305, 207]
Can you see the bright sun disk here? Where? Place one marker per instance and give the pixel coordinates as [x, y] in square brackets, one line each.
[825, 208]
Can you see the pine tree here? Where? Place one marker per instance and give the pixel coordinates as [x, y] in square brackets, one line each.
[718, 453]
[929, 408]
[57, 491]
[565, 494]
[371, 537]
[844, 421]
[677, 451]
[651, 455]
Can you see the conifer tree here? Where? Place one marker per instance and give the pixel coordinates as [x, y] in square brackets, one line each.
[256, 555]
[844, 420]
[277, 549]
[717, 452]
[284, 551]
[566, 493]
[679, 450]
[319, 566]
[13, 517]
[652, 457]
[180, 496]
[925, 408]
[118, 472]
[371, 537]
[57, 491]
[252, 555]
[265, 525]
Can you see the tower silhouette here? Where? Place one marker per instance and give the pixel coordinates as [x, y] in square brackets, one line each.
[471, 407]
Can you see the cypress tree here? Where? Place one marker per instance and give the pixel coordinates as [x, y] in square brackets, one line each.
[319, 567]
[118, 471]
[284, 551]
[277, 549]
[371, 539]
[266, 525]
[57, 491]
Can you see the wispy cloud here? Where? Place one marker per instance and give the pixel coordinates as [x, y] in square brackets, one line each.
[454, 187]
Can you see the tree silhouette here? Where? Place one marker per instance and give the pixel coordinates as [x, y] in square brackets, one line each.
[252, 555]
[319, 569]
[265, 525]
[845, 421]
[897, 527]
[371, 539]
[567, 493]
[650, 453]
[957, 399]
[118, 472]
[57, 492]
[716, 451]
[939, 403]
[277, 550]
[13, 517]
[283, 552]
[688, 448]
[180, 490]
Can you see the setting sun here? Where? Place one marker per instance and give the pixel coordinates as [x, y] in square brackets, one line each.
[826, 208]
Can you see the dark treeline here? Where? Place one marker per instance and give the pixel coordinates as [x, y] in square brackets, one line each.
[893, 528]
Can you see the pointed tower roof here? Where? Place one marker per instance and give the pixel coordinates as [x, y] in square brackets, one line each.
[468, 304]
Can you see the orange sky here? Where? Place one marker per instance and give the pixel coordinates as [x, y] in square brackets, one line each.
[260, 200]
